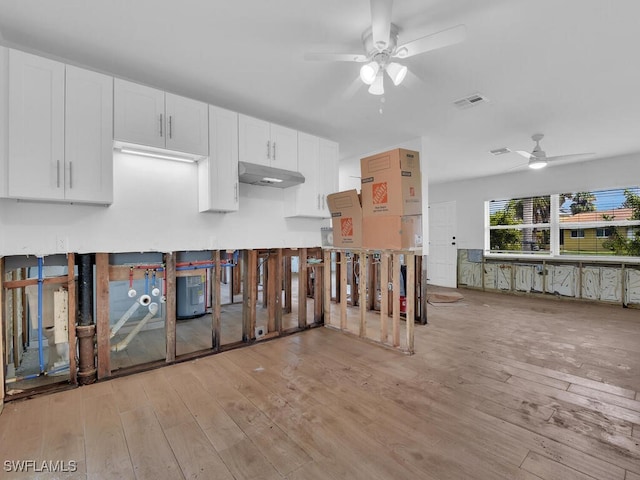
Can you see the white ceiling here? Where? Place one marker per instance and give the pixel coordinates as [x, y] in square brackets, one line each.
[568, 69]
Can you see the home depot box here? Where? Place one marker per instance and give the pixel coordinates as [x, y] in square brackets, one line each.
[346, 218]
[391, 183]
[392, 232]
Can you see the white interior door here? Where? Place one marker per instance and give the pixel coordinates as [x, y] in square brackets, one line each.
[442, 258]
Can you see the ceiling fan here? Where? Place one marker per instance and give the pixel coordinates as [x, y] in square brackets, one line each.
[380, 43]
[538, 157]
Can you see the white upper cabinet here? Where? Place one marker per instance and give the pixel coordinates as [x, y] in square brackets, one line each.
[328, 161]
[139, 114]
[4, 123]
[36, 132]
[318, 162]
[284, 147]
[60, 135]
[218, 174]
[147, 116]
[88, 136]
[254, 140]
[187, 125]
[267, 144]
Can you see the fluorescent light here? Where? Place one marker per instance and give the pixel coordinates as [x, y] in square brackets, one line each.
[396, 72]
[377, 87]
[537, 163]
[368, 72]
[144, 153]
[272, 180]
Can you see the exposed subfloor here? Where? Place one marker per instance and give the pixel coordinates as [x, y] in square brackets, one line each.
[500, 387]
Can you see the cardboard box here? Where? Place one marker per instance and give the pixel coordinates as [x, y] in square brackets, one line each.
[392, 232]
[391, 183]
[346, 218]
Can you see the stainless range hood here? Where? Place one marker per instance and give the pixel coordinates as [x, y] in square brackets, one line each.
[268, 176]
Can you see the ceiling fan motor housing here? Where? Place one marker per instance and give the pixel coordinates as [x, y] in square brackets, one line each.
[373, 51]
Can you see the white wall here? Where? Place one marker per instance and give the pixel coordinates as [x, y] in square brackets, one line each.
[155, 208]
[470, 195]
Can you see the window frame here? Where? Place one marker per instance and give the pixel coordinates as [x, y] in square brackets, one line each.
[555, 228]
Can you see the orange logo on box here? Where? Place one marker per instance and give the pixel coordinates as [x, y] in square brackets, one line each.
[412, 192]
[346, 227]
[379, 193]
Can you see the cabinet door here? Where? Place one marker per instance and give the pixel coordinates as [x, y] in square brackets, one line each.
[88, 136]
[254, 140]
[218, 175]
[187, 125]
[304, 200]
[139, 114]
[284, 147]
[4, 123]
[36, 133]
[328, 161]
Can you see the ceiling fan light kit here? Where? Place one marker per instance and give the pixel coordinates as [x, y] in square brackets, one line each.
[396, 72]
[538, 158]
[377, 87]
[537, 163]
[380, 42]
[368, 72]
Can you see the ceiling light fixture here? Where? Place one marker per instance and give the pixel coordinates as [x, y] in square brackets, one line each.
[396, 72]
[372, 73]
[369, 72]
[537, 163]
[377, 87]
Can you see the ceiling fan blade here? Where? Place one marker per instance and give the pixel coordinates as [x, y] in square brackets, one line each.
[335, 57]
[573, 156]
[381, 23]
[447, 37]
[524, 154]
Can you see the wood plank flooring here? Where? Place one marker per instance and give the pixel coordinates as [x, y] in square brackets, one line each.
[500, 387]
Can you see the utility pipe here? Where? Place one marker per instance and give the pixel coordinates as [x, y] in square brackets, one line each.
[86, 329]
[195, 267]
[123, 344]
[123, 319]
[40, 302]
[85, 289]
[19, 379]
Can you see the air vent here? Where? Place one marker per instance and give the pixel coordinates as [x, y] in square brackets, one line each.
[499, 151]
[470, 101]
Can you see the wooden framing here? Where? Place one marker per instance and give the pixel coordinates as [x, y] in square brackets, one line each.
[71, 310]
[287, 281]
[249, 294]
[170, 321]
[103, 327]
[326, 260]
[2, 322]
[216, 294]
[370, 271]
[302, 288]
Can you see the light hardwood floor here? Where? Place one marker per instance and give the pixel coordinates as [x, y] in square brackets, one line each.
[500, 387]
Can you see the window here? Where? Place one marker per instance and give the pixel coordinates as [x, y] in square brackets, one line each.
[520, 225]
[599, 222]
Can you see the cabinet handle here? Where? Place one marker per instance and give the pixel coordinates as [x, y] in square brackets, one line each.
[161, 124]
[318, 201]
[57, 173]
[70, 174]
[235, 196]
[268, 149]
[323, 203]
[274, 150]
[170, 126]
